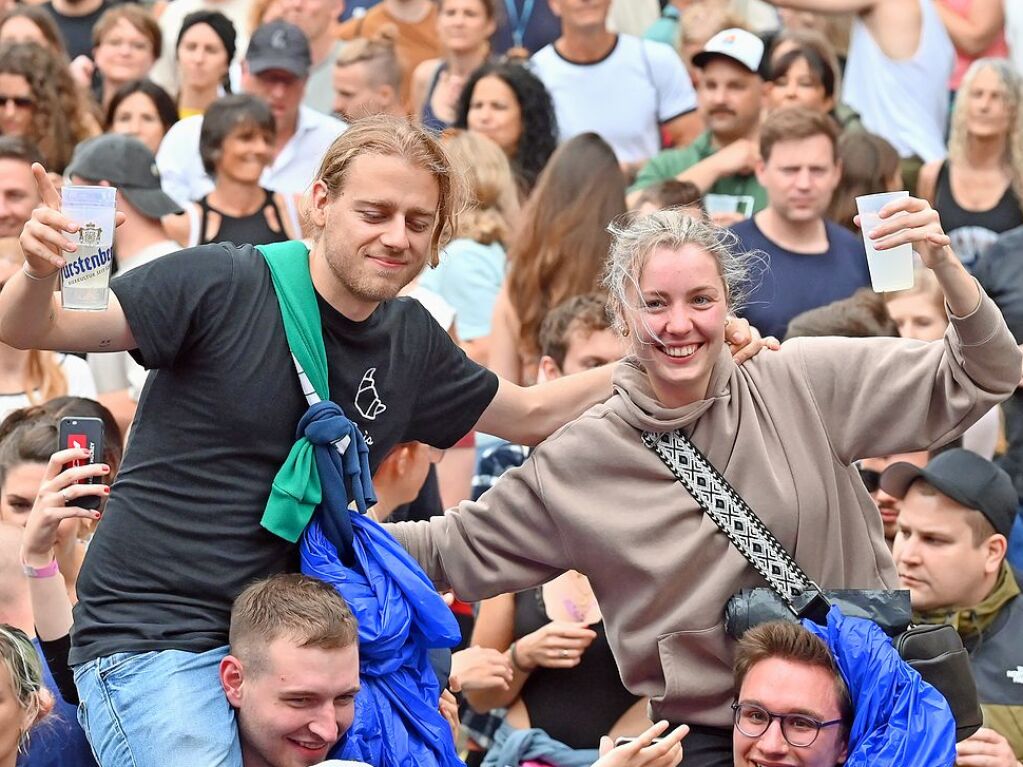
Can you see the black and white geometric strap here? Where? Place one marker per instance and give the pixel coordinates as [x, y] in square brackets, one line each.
[731, 513]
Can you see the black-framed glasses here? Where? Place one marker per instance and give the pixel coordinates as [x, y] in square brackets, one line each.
[22, 102]
[871, 479]
[799, 730]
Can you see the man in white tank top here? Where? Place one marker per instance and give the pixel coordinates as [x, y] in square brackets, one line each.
[900, 58]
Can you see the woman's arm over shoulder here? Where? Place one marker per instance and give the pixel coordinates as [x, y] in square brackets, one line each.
[878, 396]
[506, 541]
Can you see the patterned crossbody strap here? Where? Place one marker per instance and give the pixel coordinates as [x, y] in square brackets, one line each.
[733, 515]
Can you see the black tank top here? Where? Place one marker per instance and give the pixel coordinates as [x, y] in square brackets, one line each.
[972, 231]
[574, 705]
[243, 230]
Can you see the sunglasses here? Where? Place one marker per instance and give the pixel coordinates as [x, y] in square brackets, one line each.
[22, 102]
[871, 479]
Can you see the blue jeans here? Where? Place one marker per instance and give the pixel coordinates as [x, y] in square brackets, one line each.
[158, 709]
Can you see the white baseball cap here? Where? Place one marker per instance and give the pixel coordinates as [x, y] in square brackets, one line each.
[736, 44]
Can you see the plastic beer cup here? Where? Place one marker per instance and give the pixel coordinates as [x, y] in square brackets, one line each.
[85, 278]
[890, 269]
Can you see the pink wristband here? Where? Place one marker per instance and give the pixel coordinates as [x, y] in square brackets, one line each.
[42, 572]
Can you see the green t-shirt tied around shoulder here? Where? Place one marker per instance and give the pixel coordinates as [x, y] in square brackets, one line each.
[297, 489]
[750, 197]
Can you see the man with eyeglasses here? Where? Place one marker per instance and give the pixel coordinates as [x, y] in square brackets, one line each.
[793, 706]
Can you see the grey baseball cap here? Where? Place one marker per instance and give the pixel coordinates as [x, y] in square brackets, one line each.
[965, 477]
[127, 164]
[279, 45]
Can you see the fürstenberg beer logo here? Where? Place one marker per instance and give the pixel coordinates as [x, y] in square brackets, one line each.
[90, 234]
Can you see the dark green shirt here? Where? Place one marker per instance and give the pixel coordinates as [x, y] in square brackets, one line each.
[669, 163]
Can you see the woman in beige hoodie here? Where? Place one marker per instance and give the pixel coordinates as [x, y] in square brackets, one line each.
[785, 429]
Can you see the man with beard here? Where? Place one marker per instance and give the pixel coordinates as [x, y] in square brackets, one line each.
[18, 193]
[184, 531]
[722, 160]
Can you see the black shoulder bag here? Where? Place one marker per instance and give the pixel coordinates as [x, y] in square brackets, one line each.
[935, 651]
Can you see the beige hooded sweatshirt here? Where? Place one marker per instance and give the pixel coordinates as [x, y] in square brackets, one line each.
[784, 429]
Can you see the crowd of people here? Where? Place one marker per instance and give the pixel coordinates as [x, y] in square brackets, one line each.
[462, 287]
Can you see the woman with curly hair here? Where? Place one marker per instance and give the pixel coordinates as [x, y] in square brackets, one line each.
[558, 249]
[39, 100]
[978, 189]
[509, 105]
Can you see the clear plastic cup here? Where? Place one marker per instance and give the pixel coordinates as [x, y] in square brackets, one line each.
[85, 279]
[890, 269]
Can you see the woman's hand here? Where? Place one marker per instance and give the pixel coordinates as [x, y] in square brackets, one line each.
[480, 668]
[744, 340]
[56, 502]
[643, 752]
[911, 220]
[42, 239]
[556, 645]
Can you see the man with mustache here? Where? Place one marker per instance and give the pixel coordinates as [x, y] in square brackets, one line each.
[722, 160]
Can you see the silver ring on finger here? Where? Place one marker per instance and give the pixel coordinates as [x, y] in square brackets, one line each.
[65, 496]
[564, 653]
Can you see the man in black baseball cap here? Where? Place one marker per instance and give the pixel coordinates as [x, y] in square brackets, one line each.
[956, 516]
[126, 163]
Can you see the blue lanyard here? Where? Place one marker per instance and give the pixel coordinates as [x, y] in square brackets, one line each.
[519, 22]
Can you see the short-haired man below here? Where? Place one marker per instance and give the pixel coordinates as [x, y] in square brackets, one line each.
[126, 163]
[576, 335]
[812, 261]
[276, 69]
[721, 161]
[18, 192]
[792, 705]
[367, 80]
[293, 670]
[956, 516]
[589, 68]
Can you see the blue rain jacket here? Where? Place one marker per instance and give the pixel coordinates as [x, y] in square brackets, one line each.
[899, 720]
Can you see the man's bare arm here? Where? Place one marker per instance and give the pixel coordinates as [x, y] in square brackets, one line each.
[31, 316]
[527, 415]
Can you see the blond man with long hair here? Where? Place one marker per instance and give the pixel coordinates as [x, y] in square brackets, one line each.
[219, 415]
[978, 190]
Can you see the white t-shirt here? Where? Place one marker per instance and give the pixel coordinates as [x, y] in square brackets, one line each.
[114, 371]
[292, 172]
[905, 101]
[79, 384]
[625, 97]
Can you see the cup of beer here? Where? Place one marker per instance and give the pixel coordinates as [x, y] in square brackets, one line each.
[85, 278]
[890, 269]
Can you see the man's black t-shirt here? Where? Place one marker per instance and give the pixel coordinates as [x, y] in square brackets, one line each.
[180, 538]
[76, 30]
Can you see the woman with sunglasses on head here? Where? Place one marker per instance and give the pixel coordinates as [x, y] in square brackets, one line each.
[41, 102]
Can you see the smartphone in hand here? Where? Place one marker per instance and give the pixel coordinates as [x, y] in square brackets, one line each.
[87, 433]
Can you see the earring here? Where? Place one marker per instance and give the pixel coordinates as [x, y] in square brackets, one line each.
[625, 332]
